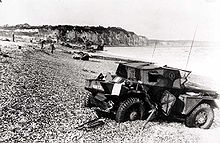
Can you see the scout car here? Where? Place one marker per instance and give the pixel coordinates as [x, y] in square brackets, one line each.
[139, 88]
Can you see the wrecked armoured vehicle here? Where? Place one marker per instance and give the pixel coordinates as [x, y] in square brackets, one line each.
[139, 88]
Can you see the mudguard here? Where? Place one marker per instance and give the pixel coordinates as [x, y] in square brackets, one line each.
[191, 101]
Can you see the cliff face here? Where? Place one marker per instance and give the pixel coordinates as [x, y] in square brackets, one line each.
[110, 36]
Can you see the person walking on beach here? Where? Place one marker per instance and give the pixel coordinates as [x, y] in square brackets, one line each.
[52, 47]
[13, 37]
[42, 44]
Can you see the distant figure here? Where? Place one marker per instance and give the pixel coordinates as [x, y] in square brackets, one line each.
[13, 37]
[42, 44]
[52, 47]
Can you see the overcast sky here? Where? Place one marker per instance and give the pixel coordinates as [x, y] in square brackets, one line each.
[155, 19]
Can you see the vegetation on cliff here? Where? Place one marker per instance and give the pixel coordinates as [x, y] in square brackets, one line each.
[88, 35]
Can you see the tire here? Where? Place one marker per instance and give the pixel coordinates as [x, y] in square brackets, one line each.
[201, 117]
[130, 109]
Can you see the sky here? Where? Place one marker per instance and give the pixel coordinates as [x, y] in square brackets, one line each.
[155, 19]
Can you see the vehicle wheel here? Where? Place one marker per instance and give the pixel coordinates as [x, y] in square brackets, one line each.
[130, 109]
[201, 117]
[87, 101]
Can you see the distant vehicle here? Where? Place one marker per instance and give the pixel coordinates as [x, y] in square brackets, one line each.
[139, 88]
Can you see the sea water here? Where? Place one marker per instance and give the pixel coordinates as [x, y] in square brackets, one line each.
[202, 60]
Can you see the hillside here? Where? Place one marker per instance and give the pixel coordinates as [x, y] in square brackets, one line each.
[86, 35]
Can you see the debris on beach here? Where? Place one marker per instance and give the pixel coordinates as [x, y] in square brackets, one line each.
[81, 56]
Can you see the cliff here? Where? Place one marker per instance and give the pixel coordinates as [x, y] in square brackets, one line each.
[88, 35]
[91, 35]
[111, 36]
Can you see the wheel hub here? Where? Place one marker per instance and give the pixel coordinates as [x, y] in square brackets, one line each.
[201, 118]
[133, 115]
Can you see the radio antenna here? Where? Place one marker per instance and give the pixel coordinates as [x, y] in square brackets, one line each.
[191, 46]
[155, 45]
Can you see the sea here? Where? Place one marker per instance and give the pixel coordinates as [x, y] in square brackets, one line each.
[204, 61]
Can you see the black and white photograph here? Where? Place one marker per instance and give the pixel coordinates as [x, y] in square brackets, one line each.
[109, 71]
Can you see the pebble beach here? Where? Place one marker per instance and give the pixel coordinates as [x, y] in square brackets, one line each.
[42, 101]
